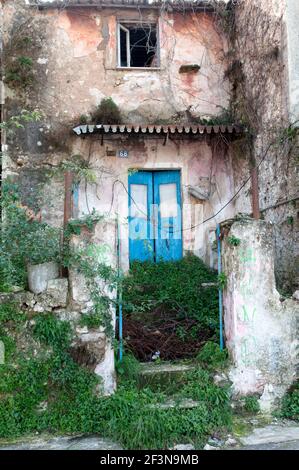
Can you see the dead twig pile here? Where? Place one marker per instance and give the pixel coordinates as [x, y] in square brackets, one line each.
[163, 333]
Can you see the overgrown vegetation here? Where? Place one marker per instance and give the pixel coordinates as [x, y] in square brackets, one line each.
[24, 239]
[101, 281]
[290, 404]
[222, 280]
[168, 310]
[107, 112]
[48, 391]
[19, 72]
[19, 121]
[80, 169]
[234, 241]
[211, 356]
[251, 404]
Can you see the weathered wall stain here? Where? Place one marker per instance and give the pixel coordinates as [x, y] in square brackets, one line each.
[256, 321]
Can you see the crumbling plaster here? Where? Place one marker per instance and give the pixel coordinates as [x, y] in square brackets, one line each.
[77, 64]
[205, 165]
[82, 67]
[261, 45]
[79, 61]
[261, 329]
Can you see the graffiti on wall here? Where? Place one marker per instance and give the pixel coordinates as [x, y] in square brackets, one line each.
[246, 307]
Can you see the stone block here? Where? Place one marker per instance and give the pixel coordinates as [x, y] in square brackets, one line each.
[296, 295]
[57, 292]
[89, 349]
[40, 274]
[68, 315]
[78, 288]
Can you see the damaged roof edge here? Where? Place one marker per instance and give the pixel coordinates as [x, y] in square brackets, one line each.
[178, 5]
[157, 129]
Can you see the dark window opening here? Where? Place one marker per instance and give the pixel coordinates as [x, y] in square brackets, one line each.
[137, 45]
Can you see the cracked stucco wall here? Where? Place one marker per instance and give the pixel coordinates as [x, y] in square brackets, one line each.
[261, 328]
[263, 47]
[204, 164]
[74, 66]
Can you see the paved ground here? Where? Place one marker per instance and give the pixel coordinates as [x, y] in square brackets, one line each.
[280, 435]
[63, 443]
[275, 436]
[290, 445]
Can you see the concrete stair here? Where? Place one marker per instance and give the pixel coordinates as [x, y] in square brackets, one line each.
[167, 378]
[162, 376]
[184, 403]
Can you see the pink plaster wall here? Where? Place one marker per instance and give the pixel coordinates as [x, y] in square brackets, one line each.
[82, 66]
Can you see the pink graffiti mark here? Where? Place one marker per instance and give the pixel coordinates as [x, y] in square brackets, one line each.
[242, 329]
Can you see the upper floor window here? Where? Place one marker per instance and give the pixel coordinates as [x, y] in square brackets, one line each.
[137, 45]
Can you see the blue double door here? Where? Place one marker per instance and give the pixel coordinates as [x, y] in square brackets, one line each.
[155, 216]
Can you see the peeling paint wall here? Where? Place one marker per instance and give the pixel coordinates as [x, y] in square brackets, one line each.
[261, 329]
[73, 56]
[75, 66]
[205, 165]
[79, 58]
[291, 18]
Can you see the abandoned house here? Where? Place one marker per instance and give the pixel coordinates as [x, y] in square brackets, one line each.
[185, 91]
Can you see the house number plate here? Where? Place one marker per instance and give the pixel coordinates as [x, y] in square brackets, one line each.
[123, 154]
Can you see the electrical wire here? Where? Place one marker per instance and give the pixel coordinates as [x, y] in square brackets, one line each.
[209, 218]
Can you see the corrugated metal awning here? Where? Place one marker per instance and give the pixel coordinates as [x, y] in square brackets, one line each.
[157, 129]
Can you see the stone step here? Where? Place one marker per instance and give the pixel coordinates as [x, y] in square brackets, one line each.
[273, 433]
[164, 375]
[184, 403]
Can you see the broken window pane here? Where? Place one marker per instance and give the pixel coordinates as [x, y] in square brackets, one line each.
[123, 38]
[137, 45]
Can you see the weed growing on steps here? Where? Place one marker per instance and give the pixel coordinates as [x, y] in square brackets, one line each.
[211, 357]
[177, 285]
[168, 309]
[49, 392]
[251, 404]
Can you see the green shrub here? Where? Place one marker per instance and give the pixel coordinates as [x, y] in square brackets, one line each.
[290, 403]
[212, 357]
[91, 320]
[128, 368]
[222, 280]
[52, 332]
[9, 312]
[234, 241]
[251, 404]
[176, 286]
[107, 112]
[50, 392]
[23, 239]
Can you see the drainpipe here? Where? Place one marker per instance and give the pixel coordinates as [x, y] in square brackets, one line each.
[120, 305]
[220, 290]
[68, 207]
[255, 193]
[68, 199]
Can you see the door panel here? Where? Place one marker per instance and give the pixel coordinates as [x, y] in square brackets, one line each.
[155, 220]
[167, 196]
[141, 243]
